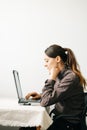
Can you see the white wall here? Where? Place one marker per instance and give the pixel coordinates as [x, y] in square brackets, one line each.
[27, 27]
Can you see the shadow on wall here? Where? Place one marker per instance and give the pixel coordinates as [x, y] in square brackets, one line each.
[8, 128]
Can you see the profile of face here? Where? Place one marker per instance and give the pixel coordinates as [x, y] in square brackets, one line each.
[54, 58]
[49, 62]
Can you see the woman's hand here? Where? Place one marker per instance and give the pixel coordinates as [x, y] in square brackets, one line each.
[33, 95]
[53, 73]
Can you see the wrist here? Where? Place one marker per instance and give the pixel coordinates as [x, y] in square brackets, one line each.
[52, 77]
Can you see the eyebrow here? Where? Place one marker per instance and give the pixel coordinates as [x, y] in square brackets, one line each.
[45, 58]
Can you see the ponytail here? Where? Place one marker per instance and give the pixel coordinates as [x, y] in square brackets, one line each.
[73, 64]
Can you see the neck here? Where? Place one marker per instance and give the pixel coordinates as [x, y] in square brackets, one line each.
[61, 66]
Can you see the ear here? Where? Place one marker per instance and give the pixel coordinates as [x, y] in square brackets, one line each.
[58, 59]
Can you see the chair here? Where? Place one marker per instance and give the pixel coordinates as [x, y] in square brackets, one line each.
[65, 125]
[84, 115]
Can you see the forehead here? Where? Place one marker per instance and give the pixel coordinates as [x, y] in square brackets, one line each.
[46, 57]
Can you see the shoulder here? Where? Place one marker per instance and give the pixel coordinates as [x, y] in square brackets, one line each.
[69, 75]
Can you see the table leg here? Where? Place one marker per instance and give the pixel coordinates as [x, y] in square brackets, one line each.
[38, 127]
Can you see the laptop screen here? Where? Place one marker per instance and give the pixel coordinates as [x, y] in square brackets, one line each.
[17, 84]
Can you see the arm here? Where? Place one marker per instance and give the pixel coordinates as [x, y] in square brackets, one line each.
[55, 91]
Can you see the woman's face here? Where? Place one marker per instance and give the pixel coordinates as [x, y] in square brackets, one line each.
[49, 62]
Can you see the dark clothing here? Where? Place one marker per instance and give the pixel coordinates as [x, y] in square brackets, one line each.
[63, 124]
[66, 93]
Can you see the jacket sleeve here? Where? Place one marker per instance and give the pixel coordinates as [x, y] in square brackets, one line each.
[54, 91]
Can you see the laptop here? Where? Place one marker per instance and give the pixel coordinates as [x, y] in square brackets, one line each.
[21, 99]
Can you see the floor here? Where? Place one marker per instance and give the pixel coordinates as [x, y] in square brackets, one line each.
[8, 128]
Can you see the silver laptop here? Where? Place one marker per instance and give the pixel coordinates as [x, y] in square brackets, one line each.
[21, 99]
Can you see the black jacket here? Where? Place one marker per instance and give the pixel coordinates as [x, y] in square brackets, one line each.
[66, 93]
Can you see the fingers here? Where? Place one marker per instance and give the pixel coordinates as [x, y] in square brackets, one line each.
[28, 96]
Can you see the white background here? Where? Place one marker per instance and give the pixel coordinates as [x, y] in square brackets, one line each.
[27, 28]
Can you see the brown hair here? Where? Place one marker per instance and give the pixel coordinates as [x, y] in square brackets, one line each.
[68, 58]
[72, 62]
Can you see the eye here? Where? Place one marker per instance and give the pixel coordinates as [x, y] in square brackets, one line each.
[46, 61]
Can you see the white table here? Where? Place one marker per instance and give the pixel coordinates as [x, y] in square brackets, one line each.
[13, 114]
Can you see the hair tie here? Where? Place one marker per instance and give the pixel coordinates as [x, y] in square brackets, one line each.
[66, 52]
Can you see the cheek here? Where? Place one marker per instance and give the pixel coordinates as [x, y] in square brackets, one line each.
[52, 64]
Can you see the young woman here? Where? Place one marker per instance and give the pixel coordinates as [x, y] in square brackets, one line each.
[65, 85]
